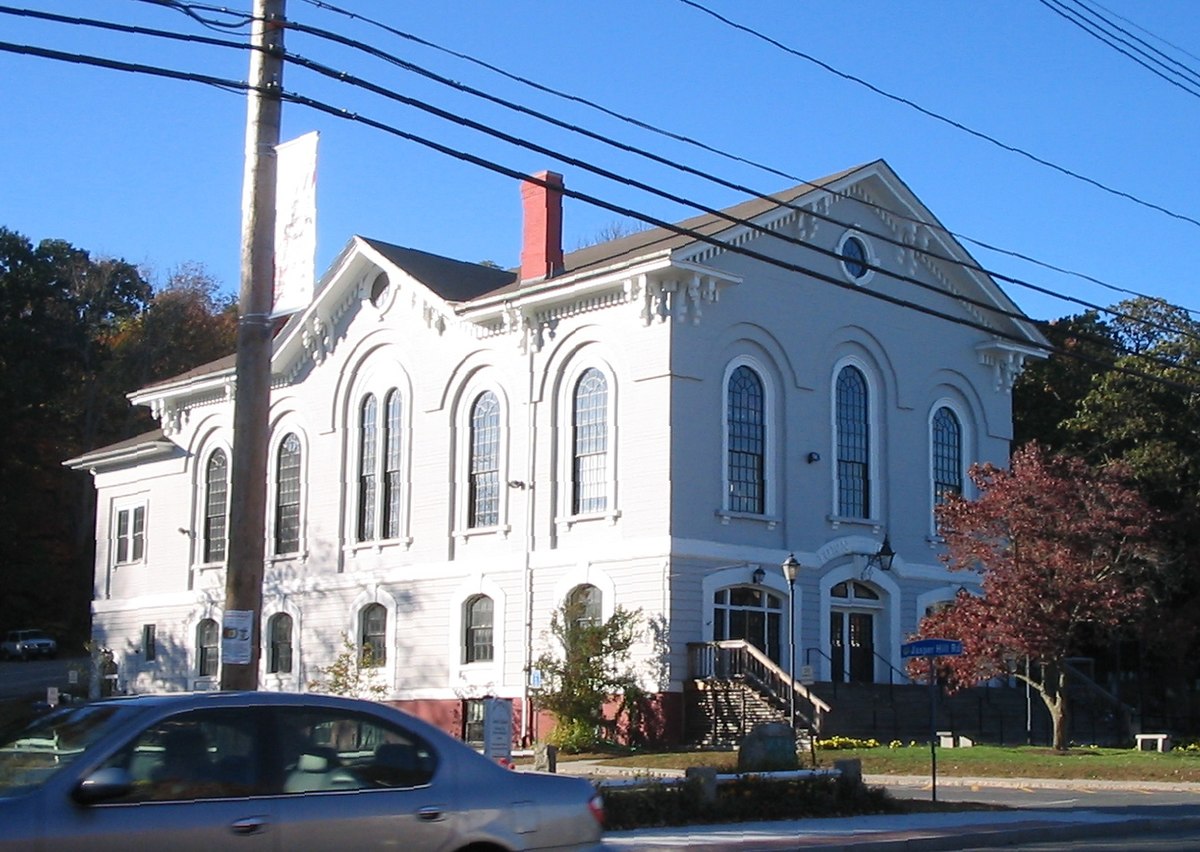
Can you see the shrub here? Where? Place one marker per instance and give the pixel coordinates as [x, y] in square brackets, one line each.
[746, 799]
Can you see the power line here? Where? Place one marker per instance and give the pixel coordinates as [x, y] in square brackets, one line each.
[1157, 38]
[939, 117]
[607, 140]
[1165, 59]
[352, 80]
[688, 140]
[514, 174]
[1111, 40]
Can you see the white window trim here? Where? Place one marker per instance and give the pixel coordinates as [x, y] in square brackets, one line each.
[489, 673]
[281, 431]
[278, 681]
[194, 681]
[771, 466]
[129, 504]
[565, 517]
[773, 581]
[462, 456]
[875, 494]
[387, 672]
[965, 438]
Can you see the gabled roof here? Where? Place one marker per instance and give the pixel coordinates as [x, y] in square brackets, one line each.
[453, 280]
[472, 290]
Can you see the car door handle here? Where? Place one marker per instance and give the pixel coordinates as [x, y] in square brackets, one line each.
[249, 825]
[432, 813]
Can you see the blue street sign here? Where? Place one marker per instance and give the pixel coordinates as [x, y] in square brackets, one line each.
[931, 648]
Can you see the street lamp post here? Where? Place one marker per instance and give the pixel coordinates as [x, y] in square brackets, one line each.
[790, 569]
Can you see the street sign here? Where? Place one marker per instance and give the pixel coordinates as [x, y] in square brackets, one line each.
[931, 648]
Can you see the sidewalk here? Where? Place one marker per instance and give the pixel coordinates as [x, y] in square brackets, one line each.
[951, 830]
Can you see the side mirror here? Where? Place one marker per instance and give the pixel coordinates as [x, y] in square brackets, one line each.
[102, 784]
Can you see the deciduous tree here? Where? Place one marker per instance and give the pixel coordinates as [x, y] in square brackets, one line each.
[588, 664]
[1063, 551]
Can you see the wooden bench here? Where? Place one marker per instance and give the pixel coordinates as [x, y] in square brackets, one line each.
[1156, 742]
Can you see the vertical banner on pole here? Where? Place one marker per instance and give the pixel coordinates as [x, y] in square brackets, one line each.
[295, 224]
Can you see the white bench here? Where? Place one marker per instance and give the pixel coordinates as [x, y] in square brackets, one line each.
[1156, 742]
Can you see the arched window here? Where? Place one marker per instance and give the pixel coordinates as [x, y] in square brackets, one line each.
[372, 645]
[590, 468]
[746, 449]
[483, 500]
[208, 659]
[367, 438]
[478, 613]
[947, 455]
[853, 445]
[216, 499]
[583, 605]
[392, 490]
[279, 649]
[287, 495]
[750, 613]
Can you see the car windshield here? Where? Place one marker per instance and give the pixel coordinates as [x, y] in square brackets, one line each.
[32, 753]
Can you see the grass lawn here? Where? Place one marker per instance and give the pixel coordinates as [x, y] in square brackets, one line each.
[981, 761]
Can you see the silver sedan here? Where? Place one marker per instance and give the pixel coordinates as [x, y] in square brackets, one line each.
[271, 771]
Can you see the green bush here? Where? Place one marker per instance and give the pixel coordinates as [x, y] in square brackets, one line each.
[574, 736]
[743, 800]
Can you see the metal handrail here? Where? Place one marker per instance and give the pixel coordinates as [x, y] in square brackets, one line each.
[808, 662]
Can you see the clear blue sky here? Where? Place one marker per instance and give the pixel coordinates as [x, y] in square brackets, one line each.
[150, 170]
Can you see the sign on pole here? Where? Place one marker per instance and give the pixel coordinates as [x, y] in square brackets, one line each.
[236, 631]
[931, 648]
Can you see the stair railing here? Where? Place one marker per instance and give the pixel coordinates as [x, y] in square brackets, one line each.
[734, 659]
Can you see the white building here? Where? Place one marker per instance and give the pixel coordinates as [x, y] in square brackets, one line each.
[654, 422]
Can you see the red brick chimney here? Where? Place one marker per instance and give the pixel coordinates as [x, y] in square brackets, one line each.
[541, 251]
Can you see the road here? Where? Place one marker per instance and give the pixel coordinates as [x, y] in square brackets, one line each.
[1063, 794]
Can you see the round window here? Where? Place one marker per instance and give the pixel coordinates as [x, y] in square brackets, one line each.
[380, 289]
[854, 258]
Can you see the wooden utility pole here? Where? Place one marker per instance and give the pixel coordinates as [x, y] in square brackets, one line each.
[248, 475]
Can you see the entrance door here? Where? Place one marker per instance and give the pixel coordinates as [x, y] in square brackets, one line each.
[852, 646]
[750, 613]
[862, 647]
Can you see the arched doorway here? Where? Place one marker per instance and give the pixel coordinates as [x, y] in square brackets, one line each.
[751, 613]
[853, 609]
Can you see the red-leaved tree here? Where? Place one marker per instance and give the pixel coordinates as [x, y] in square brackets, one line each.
[1063, 551]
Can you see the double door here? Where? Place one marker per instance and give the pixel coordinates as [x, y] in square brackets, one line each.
[852, 646]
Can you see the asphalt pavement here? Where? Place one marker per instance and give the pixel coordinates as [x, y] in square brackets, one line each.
[949, 830]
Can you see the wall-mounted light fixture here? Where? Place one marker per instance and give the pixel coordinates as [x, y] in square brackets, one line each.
[758, 576]
[881, 559]
[813, 457]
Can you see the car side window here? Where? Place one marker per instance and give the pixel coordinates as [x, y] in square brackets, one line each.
[204, 754]
[333, 749]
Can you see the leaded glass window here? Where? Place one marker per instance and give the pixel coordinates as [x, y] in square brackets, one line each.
[746, 451]
[483, 500]
[279, 651]
[590, 469]
[392, 485]
[287, 496]
[208, 659]
[947, 455]
[367, 438]
[373, 636]
[216, 500]
[853, 445]
[477, 622]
